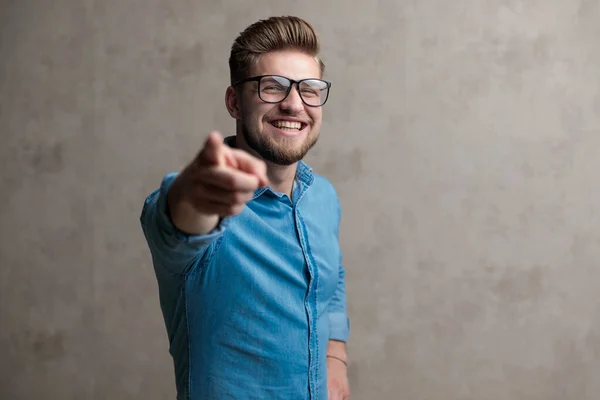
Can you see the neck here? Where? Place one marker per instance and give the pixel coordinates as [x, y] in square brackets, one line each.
[281, 177]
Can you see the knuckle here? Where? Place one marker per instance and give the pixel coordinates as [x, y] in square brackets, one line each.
[231, 181]
[199, 193]
[237, 197]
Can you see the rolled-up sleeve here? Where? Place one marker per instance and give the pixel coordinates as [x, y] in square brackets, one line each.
[339, 323]
[173, 250]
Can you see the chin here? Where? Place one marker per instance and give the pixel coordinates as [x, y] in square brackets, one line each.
[280, 147]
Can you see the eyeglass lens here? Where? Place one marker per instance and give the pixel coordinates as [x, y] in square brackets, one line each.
[274, 89]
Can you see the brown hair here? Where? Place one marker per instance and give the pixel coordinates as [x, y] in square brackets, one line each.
[272, 34]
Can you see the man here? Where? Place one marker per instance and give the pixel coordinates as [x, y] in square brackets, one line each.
[244, 240]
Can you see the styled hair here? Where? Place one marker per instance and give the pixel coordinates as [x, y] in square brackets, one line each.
[272, 34]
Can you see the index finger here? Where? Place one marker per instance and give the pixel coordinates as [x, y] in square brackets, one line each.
[215, 152]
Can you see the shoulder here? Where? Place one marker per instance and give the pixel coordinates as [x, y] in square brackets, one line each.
[324, 185]
[327, 196]
[321, 189]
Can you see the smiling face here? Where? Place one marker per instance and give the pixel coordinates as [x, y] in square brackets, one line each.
[284, 132]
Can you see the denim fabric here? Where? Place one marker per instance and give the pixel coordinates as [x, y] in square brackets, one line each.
[250, 307]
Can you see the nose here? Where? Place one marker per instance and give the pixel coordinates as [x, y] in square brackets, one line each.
[293, 102]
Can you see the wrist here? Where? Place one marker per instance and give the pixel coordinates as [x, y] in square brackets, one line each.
[340, 359]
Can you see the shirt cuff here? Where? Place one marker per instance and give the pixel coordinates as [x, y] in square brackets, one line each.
[339, 327]
[164, 220]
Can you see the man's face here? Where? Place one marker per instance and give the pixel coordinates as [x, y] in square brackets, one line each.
[281, 133]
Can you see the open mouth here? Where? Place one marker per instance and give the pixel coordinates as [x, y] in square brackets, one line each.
[289, 126]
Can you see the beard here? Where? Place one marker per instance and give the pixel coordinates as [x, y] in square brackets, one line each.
[284, 153]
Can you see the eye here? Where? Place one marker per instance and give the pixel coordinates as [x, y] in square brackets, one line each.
[273, 88]
[310, 92]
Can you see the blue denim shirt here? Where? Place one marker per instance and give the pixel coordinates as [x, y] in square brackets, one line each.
[250, 307]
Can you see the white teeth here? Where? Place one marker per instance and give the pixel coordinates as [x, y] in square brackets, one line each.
[287, 124]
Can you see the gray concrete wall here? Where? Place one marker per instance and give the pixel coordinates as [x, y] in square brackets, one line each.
[463, 137]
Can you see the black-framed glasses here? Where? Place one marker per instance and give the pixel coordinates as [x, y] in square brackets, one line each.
[276, 88]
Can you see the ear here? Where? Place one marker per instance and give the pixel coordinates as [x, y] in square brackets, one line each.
[232, 103]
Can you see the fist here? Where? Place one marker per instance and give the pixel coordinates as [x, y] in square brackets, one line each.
[221, 180]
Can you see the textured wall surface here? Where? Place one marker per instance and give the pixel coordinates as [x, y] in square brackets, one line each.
[463, 137]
